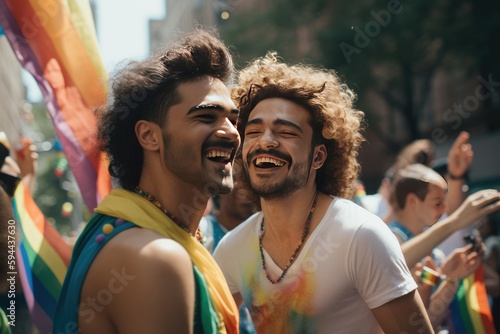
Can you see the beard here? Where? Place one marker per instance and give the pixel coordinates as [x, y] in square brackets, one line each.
[271, 189]
[178, 158]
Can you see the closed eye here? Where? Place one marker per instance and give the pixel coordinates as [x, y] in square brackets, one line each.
[206, 118]
[252, 130]
[252, 133]
[287, 133]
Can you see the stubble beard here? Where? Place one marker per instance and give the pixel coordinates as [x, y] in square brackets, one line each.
[279, 190]
[220, 183]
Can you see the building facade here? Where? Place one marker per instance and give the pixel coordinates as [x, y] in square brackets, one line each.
[181, 17]
[12, 93]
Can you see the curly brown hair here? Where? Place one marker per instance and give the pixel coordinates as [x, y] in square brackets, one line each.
[334, 121]
[145, 90]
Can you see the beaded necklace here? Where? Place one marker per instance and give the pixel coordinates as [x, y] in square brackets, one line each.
[294, 254]
[155, 202]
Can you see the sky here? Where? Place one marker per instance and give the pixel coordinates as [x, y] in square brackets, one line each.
[122, 30]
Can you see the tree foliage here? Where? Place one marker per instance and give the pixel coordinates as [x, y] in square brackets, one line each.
[55, 186]
[400, 57]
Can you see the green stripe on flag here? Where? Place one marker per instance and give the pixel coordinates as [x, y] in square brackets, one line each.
[464, 312]
[43, 272]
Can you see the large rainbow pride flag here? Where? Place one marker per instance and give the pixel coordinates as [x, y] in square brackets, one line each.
[42, 259]
[55, 41]
[470, 308]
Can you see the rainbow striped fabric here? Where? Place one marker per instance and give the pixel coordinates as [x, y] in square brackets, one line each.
[55, 41]
[42, 259]
[430, 276]
[470, 309]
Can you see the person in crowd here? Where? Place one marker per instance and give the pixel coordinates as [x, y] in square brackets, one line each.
[488, 228]
[228, 211]
[419, 200]
[311, 261]
[6, 215]
[455, 170]
[11, 175]
[419, 151]
[475, 207]
[422, 151]
[169, 132]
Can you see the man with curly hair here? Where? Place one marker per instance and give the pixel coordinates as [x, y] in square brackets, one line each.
[140, 266]
[311, 261]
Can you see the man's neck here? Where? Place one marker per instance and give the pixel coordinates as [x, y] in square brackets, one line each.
[407, 219]
[186, 204]
[286, 217]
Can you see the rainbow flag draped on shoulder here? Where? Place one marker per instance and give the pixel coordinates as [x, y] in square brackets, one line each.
[470, 309]
[42, 259]
[55, 41]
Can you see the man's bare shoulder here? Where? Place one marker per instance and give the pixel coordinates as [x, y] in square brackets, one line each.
[137, 247]
[137, 264]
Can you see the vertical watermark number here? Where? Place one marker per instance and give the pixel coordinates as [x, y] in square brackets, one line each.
[11, 272]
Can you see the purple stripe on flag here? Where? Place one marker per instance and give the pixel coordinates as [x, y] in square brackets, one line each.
[85, 174]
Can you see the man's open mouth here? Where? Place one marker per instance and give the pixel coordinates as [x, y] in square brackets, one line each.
[217, 155]
[268, 162]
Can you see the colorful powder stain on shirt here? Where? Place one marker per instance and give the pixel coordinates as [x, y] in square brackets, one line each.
[286, 307]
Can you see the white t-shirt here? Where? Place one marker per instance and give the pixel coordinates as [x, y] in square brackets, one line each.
[350, 264]
[376, 204]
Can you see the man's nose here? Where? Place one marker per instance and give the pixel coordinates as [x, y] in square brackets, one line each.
[228, 131]
[268, 140]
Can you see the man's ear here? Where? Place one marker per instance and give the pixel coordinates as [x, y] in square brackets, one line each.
[148, 134]
[411, 200]
[319, 156]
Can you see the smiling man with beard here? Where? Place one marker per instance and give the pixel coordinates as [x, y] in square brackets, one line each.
[140, 266]
[311, 261]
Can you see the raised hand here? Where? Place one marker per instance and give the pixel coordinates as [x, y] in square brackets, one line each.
[460, 156]
[462, 262]
[26, 158]
[476, 206]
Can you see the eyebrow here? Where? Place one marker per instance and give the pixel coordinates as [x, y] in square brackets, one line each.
[278, 121]
[211, 106]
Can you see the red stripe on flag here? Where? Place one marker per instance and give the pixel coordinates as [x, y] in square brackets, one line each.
[484, 306]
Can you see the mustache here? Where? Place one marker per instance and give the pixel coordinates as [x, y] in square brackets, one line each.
[271, 152]
[221, 144]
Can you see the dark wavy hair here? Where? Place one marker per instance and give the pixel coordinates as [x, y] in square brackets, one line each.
[145, 90]
[333, 118]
